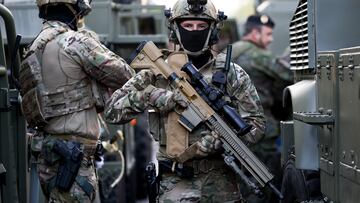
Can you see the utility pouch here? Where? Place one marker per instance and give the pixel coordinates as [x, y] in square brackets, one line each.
[30, 78]
[70, 162]
[177, 137]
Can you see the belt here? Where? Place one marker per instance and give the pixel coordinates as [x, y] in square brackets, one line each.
[205, 165]
[77, 138]
[88, 146]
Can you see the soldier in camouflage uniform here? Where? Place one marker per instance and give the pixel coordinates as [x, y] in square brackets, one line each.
[65, 77]
[194, 32]
[270, 76]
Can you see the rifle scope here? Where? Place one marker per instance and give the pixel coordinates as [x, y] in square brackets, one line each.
[213, 97]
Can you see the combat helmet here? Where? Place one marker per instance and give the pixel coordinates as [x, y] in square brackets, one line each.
[83, 5]
[195, 10]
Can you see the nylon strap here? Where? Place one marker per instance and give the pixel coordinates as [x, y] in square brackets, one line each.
[85, 185]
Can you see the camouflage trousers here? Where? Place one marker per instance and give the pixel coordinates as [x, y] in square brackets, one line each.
[47, 174]
[218, 185]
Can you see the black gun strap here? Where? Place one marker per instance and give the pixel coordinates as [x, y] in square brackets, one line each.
[85, 185]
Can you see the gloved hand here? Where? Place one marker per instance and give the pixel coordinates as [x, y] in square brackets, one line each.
[164, 100]
[179, 99]
[209, 142]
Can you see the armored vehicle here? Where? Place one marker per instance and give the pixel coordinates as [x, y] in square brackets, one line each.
[127, 24]
[13, 162]
[323, 137]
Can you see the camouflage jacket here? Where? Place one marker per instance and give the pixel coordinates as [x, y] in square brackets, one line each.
[140, 93]
[267, 72]
[71, 57]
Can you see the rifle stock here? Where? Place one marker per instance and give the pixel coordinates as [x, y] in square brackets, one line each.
[147, 55]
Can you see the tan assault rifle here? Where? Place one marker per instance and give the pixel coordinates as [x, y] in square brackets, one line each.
[148, 56]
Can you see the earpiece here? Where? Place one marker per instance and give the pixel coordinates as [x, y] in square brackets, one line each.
[214, 36]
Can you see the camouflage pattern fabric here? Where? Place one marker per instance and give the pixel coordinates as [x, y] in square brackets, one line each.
[69, 57]
[242, 95]
[76, 194]
[262, 67]
[137, 95]
[269, 76]
[89, 33]
[218, 185]
[134, 97]
[210, 142]
[79, 57]
[98, 61]
[48, 163]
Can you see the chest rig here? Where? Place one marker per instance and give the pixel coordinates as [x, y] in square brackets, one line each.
[176, 141]
[38, 102]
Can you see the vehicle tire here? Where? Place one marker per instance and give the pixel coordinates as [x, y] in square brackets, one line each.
[299, 185]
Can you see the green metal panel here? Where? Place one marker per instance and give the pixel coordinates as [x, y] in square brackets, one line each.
[349, 115]
[328, 138]
[349, 192]
[313, 29]
[318, 27]
[287, 138]
[12, 124]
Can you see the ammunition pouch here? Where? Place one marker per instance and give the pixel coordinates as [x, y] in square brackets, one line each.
[177, 137]
[31, 100]
[70, 162]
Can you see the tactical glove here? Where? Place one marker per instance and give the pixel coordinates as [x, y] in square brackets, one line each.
[164, 100]
[209, 142]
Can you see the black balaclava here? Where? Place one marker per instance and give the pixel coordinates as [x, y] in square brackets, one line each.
[201, 60]
[61, 13]
[193, 40]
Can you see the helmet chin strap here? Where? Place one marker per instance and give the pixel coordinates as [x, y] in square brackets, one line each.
[77, 16]
[71, 9]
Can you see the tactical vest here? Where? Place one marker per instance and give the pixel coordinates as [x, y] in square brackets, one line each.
[175, 141]
[40, 103]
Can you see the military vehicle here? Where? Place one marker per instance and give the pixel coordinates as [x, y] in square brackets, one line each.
[127, 24]
[323, 137]
[13, 161]
[321, 148]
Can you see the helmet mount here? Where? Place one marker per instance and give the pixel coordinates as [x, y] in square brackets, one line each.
[196, 6]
